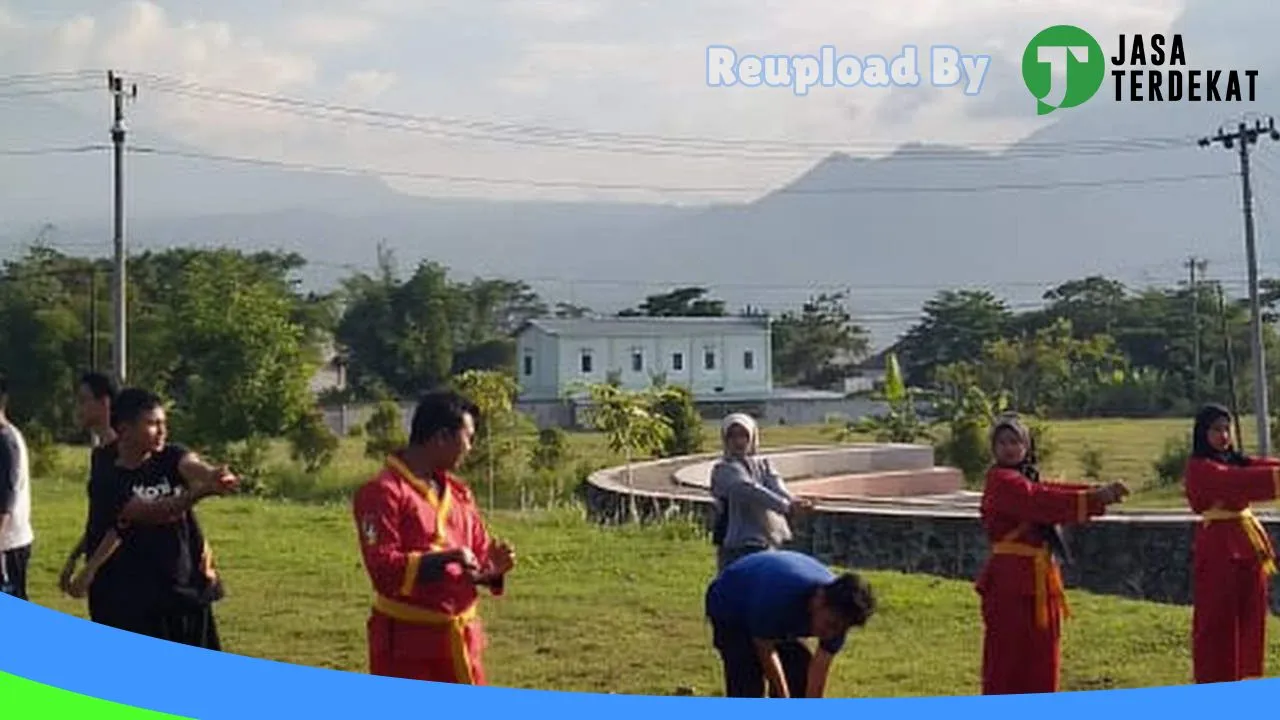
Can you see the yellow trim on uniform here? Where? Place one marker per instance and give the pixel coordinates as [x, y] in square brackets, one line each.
[440, 503]
[457, 625]
[411, 569]
[1047, 576]
[1082, 506]
[1253, 530]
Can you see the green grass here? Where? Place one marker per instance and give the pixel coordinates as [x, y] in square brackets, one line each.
[606, 610]
[1128, 449]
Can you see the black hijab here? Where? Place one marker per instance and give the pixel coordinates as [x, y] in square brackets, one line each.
[1200, 447]
[1027, 468]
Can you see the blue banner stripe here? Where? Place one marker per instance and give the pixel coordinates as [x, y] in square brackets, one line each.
[75, 655]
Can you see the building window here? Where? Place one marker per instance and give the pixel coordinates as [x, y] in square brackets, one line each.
[748, 360]
[677, 362]
[637, 360]
[709, 359]
[585, 362]
[528, 365]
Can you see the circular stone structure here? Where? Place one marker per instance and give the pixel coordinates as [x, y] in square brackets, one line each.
[888, 507]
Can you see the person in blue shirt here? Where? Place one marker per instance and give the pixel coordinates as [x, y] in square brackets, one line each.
[763, 604]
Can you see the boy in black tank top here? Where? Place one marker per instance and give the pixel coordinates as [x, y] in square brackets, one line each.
[94, 397]
[152, 571]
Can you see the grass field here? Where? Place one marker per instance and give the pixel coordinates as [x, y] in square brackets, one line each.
[1128, 448]
[619, 609]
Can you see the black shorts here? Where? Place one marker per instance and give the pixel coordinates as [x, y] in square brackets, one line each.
[13, 571]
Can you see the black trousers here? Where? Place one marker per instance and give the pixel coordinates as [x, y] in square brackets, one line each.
[13, 571]
[744, 675]
[193, 625]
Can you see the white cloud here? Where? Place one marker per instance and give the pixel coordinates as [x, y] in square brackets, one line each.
[368, 85]
[332, 29]
[557, 12]
[606, 65]
[141, 39]
[659, 86]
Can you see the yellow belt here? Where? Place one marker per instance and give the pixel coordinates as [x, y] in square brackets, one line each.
[1047, 576]
[456, 624]
[1252, 529]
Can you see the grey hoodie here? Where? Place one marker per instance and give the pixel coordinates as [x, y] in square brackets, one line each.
[757, 499]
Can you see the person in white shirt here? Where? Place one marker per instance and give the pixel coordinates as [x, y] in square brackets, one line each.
[16, 535]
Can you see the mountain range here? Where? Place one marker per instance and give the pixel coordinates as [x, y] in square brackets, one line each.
[892, 229]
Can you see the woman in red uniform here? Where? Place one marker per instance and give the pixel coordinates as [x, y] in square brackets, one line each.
[1233, 557]
[1021, 585]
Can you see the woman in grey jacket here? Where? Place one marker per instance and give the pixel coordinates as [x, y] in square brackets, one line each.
[752, 502]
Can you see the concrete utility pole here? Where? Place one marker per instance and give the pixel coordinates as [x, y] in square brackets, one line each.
[1193, 266]
[1243, 137]
[119, 299]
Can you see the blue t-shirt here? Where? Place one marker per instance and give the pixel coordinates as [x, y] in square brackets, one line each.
[766, 595]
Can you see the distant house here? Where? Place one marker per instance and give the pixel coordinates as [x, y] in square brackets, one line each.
[717, 358]
[726, 362]
[869, 375]
[331, 375]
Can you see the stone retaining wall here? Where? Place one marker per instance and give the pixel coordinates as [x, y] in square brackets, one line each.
[1143, 555]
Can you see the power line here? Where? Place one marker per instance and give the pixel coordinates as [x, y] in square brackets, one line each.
[642, 143]
[77, 150]
[45, 91]
[867, 190]
[48, 77]
[331, 110]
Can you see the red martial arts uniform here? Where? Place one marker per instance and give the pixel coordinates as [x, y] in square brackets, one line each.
[1023, 599]
[1232, 563]
[421, 631]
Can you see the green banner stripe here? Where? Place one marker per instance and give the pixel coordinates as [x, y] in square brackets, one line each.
[24, 699]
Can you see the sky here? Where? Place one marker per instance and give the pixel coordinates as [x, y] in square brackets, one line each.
[484, 71]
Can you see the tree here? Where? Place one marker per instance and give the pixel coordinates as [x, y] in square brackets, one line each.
[311, 442]
[44, 336]
[404, 336]
[631, 424]
[818, 346]
[385, 431]
[494, 394]
[675, 404]
[901, 423]
[569, 310]
[681, 302]
[240, 368]
[1094, 305]
[957, 325]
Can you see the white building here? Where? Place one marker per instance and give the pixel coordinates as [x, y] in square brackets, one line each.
[717, 358]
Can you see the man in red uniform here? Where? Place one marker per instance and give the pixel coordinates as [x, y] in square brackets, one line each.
[1023, 599]
[427, 551]
[1233, 557]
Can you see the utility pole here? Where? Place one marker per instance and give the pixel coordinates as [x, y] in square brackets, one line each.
[93, 317]
[1231, 365]
[1243, 137]
[119, 294]
[1193, 265]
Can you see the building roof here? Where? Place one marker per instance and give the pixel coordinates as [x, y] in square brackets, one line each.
[646, 326]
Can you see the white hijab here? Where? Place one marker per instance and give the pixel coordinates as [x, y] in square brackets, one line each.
[746, 422]
[774, 525]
